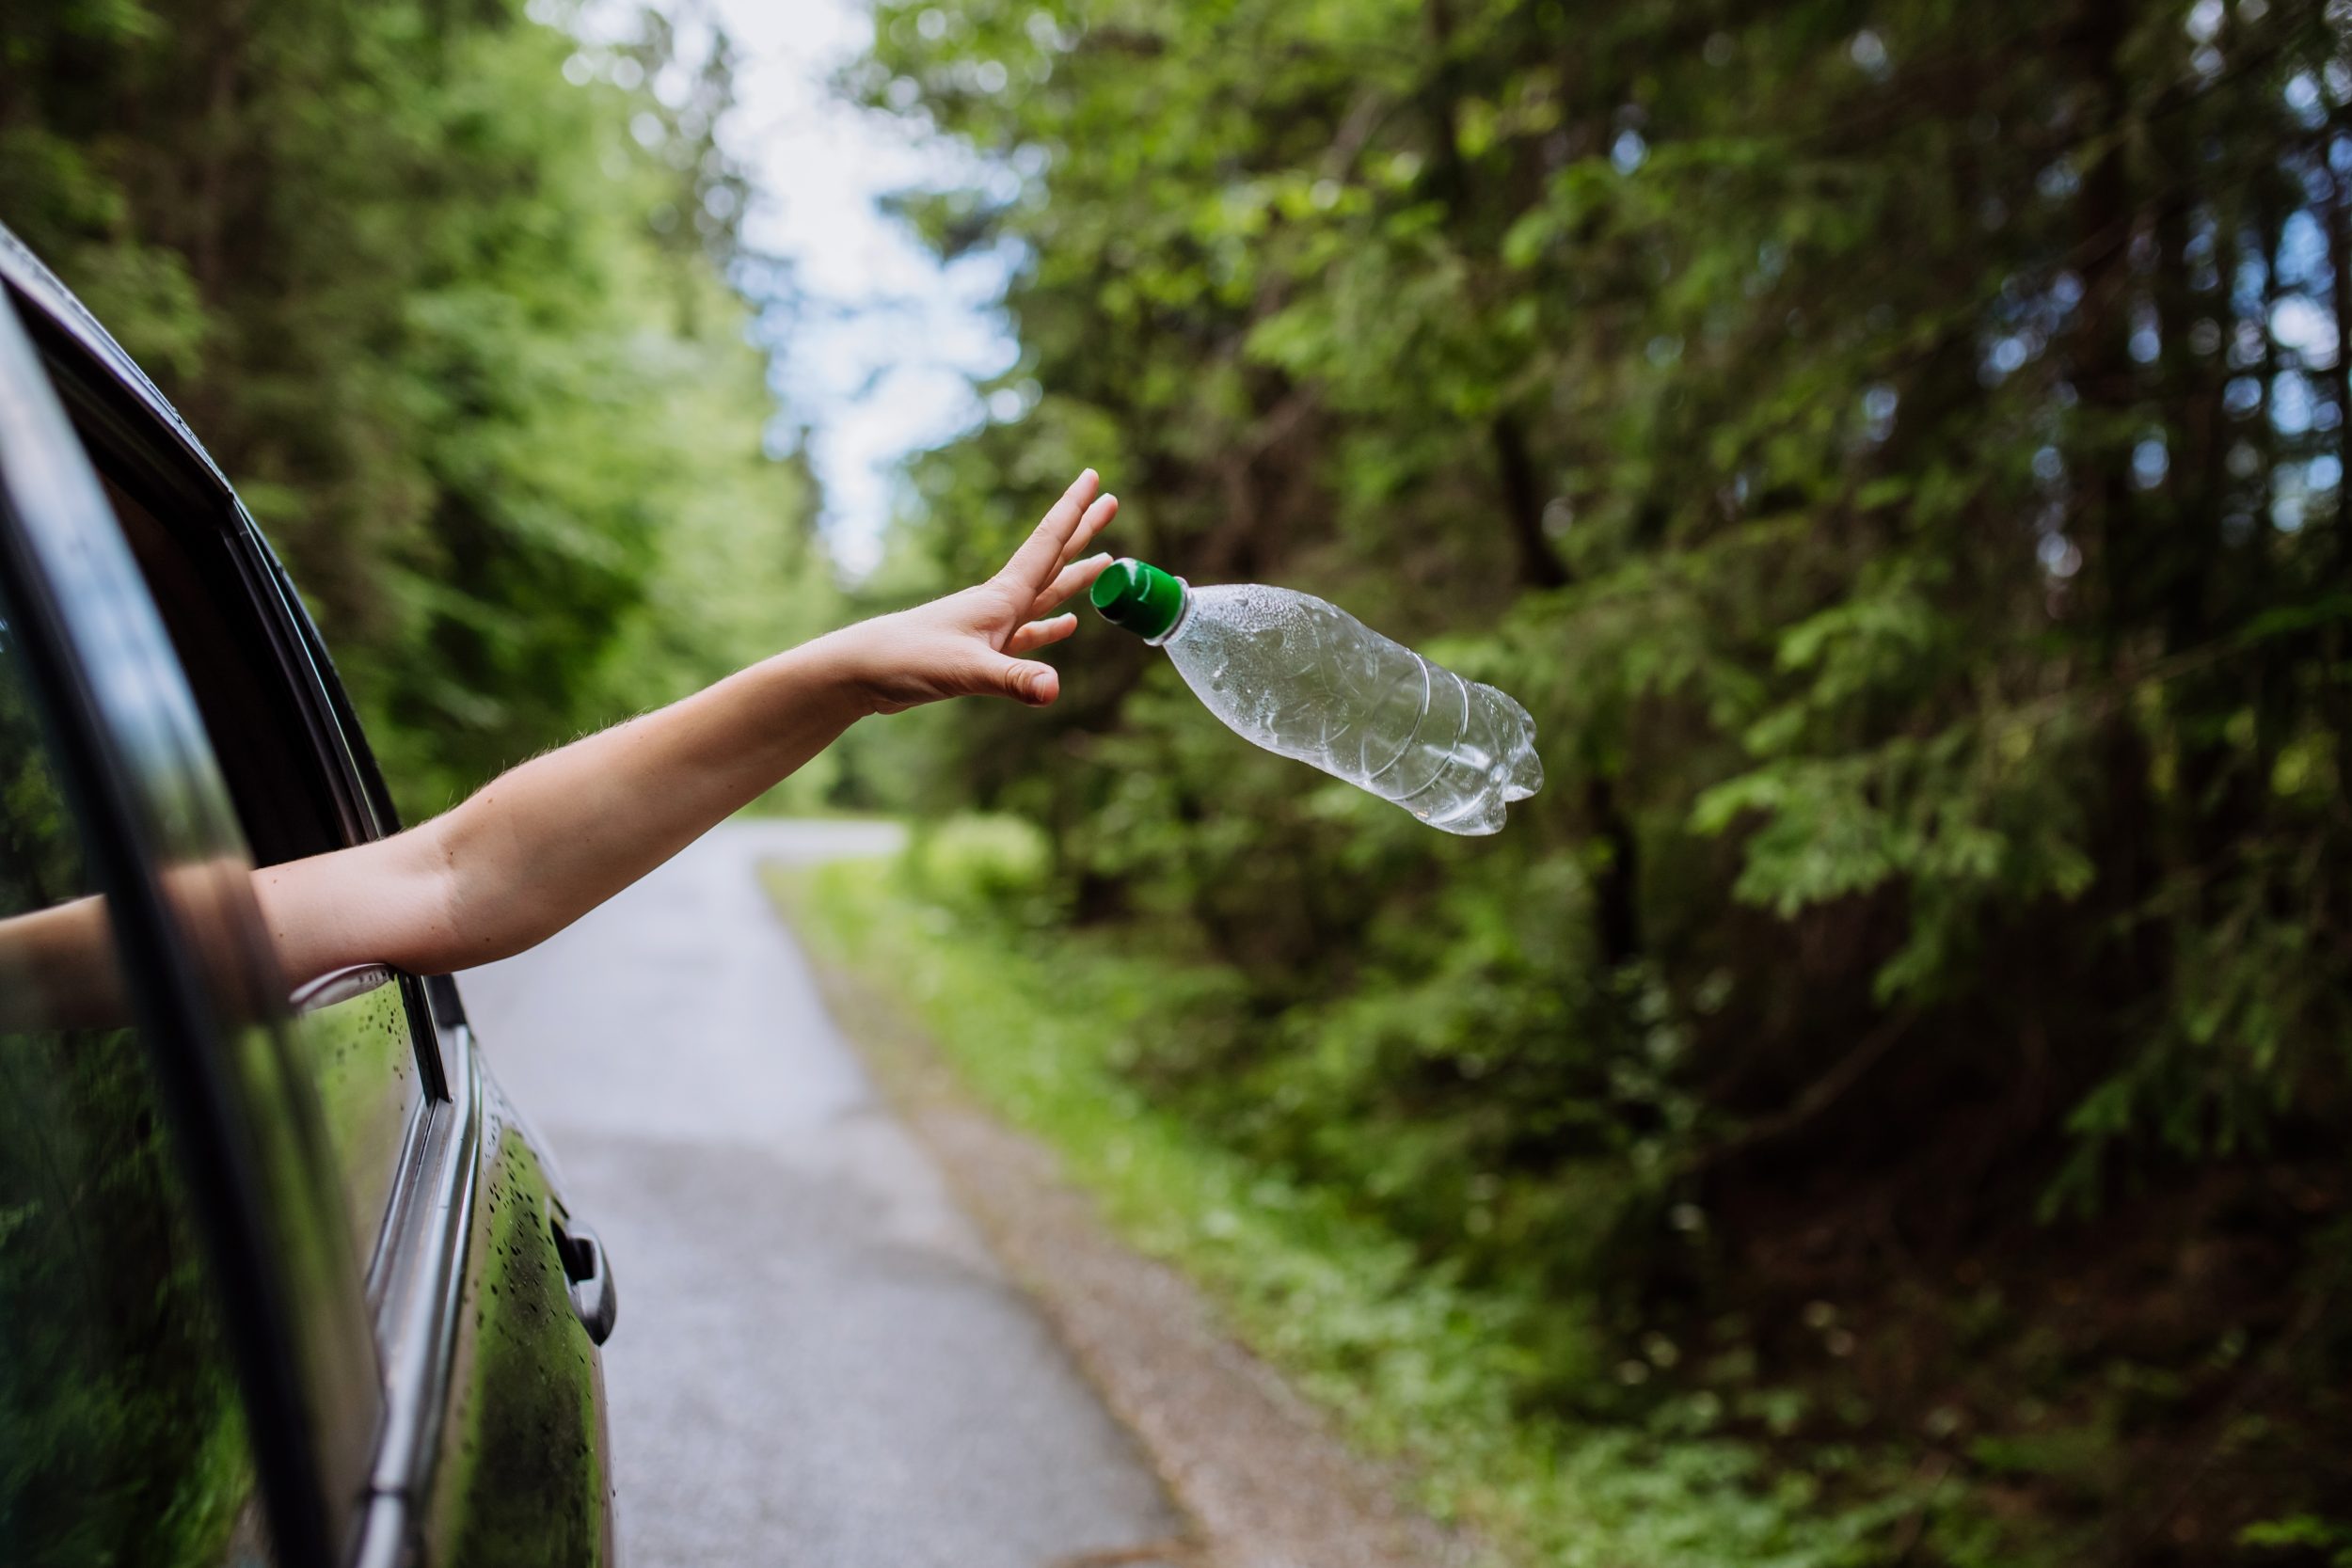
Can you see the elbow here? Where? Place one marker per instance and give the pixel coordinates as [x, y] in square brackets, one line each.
[477, 902]
[453, 917]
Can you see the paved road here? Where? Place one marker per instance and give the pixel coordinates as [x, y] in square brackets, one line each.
[817, 1361]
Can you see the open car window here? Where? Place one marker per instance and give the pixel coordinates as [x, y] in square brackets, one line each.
[286, 800]
[371, 1063]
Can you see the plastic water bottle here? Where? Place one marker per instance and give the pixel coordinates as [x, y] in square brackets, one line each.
[1307, 680]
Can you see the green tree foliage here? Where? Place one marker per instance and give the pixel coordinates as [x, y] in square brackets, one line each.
[1897, 451]
[441, 288]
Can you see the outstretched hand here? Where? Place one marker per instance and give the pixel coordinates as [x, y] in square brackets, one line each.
[968, 645]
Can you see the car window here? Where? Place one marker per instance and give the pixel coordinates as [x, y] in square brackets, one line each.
[123, 1438]
[285, 798]
[358, 1031]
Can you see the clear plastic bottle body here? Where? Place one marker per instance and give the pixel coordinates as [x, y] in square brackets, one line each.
[1306, 679]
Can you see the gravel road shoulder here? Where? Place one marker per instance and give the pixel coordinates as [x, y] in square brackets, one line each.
[1266, 1482]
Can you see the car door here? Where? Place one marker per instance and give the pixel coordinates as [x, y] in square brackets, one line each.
[480, 1299]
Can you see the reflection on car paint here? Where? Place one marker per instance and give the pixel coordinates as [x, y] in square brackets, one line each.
[524, 1474]
[352, 1032]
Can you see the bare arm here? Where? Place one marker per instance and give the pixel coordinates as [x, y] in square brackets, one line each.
[57, 969]
[543, 844]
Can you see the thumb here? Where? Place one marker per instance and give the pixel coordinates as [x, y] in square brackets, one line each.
[1025, 680]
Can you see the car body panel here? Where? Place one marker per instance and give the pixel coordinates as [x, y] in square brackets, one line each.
[521, 1483]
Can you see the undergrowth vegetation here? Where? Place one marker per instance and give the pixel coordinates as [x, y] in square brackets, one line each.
[1414, 1362]
[1570, 1414]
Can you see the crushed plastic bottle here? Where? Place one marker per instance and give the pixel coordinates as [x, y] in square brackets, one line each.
[1306, 679]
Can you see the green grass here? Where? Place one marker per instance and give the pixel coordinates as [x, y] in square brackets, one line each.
[1412, 1366]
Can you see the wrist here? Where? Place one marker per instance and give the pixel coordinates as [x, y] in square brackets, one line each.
[848, 666]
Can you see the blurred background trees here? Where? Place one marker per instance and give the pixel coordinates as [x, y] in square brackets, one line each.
[444, 291]
[1897, 451]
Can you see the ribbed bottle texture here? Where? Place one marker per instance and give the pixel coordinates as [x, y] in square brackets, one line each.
[1307, 679]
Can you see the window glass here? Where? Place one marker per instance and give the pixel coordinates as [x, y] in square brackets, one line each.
[122, 1439]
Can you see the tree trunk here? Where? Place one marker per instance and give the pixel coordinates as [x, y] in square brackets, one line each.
[2102, 516]
[1540, 566]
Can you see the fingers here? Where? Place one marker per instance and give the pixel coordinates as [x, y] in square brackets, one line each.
[1095, 519]
[1025, 681]
[1037, 634]
[1074, 580]
[1034, 560]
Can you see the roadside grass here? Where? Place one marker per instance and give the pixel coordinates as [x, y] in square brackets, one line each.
[1413, 1367]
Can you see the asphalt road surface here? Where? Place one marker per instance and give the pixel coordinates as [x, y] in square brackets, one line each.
[817, 1361]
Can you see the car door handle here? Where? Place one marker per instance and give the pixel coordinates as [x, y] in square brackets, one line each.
[589, 1269]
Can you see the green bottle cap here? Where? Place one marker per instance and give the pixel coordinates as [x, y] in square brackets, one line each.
[1141, 597]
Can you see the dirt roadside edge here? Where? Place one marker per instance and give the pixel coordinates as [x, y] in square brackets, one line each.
[1265, 1481]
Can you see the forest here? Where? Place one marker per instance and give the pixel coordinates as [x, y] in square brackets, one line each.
[1894, 1080]
[1896, 452]
[448, 298]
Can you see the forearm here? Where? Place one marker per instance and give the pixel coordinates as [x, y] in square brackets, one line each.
[541, 846]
